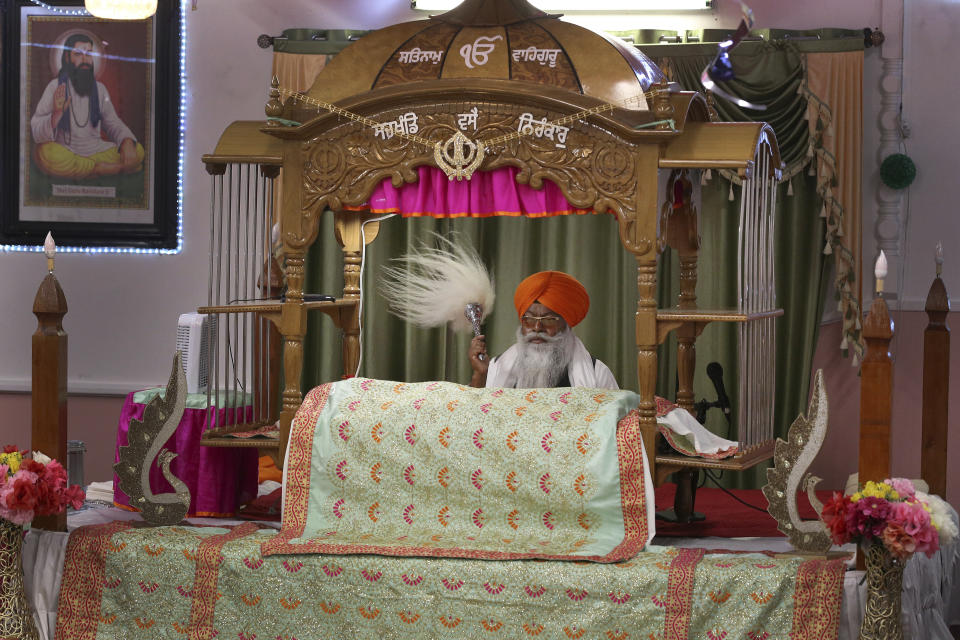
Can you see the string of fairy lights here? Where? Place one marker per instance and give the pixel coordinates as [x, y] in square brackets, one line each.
[64, 11]
[181, 138]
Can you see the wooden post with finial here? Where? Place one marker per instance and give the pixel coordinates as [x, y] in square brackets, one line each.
[274, 106]
[876, 386]
[663, 109]
[49, 393]
[936, 385]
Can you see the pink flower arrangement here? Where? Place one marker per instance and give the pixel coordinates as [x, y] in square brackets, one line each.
[33, 486]
[892, 513]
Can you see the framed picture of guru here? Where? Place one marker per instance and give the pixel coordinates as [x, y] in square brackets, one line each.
[90, 117]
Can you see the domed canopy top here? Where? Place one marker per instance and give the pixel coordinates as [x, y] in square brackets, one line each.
[501, 39]
[485, 13]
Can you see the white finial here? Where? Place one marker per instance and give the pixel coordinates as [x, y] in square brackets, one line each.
[880, 270]
[938, 257]
[50, 250]
[49, 246]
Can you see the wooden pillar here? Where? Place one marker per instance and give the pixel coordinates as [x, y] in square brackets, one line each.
[49, 386]
[678, 225]
[293, 320]
[646, 318]
[353, 232]
[687, 334]
[936, 387]
[876, 394]
[638, 232]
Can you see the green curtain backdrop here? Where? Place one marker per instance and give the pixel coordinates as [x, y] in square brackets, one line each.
[586, 246]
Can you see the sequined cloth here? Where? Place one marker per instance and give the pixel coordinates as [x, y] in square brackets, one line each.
[193, 582]
[438, 469]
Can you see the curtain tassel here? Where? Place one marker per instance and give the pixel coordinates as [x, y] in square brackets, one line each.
[730, 196]
[813, 169]
[790, 187]
[827, 249]
[823, 210]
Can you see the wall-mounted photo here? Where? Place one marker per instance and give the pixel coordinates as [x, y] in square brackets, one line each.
[90, 115]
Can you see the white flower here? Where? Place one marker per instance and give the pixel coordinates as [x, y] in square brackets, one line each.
[941, 515]
[42, 458]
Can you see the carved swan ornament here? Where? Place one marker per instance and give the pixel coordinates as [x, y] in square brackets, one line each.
[146, 439]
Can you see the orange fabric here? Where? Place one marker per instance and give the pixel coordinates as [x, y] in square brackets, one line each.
[269, 471]
[836, 81]
[556, 290]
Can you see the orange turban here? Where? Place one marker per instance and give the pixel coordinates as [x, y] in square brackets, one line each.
[554, 289]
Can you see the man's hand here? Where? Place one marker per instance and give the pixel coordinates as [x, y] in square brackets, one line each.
[128, 156]
[478, 347]
[60, 104]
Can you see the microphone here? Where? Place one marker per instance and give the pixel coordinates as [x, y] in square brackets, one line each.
[715, 373]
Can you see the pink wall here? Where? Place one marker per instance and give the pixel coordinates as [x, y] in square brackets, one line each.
[838, 457]
[92, 419]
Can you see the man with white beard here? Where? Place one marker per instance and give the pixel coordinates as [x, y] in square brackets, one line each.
[547, 352]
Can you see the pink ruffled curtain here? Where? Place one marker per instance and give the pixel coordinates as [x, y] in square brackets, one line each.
[487, 193]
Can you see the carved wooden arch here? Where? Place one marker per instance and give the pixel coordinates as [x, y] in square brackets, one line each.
[338, 162]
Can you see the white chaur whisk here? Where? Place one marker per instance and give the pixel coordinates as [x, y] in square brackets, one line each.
[434, 286]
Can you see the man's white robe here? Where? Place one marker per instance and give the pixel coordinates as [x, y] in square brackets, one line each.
[583, 371]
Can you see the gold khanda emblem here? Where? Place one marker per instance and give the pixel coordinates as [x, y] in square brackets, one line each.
[458, 156]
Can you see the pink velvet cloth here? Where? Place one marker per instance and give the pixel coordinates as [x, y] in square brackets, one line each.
[220, 479]
[487, 193]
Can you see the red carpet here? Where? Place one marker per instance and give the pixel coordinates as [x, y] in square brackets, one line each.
[726, 517]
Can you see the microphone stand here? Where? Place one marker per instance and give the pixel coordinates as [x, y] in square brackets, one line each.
[687, 480]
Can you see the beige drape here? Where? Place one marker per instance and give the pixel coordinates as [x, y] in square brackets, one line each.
[296, 71]
[834, 87]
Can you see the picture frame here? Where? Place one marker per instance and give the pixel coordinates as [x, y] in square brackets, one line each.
[90, 120]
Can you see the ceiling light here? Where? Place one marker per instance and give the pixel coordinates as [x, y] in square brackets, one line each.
[121, 9]
[623, 6]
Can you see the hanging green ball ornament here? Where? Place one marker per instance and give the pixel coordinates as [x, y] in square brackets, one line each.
[897, 171]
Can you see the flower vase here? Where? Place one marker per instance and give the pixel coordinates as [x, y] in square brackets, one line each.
[16, 618]
[881, 619]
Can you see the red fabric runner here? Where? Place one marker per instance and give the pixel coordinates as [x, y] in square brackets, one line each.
[727, 518]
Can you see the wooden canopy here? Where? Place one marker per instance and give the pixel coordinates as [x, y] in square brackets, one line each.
[590, 115]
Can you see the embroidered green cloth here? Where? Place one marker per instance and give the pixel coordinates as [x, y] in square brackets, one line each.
[439, 469]
[186, 582]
